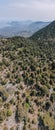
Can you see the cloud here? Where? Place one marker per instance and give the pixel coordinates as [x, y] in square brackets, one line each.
[27, 9]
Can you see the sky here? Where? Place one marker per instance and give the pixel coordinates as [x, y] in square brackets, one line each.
[37, 10]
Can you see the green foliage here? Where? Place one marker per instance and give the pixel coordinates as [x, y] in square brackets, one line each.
[5, 128]
[9, 113]
[27, 75]
[3, 93]
[2, 115]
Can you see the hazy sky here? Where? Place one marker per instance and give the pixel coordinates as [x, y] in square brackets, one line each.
[27, 9]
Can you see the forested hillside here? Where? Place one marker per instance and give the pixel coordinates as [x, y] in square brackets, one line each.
[27, 81]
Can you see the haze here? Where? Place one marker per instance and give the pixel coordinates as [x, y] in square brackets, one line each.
[27, 10]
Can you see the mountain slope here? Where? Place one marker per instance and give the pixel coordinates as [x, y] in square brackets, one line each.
[23, 28]
[47, 32]
[27, 83]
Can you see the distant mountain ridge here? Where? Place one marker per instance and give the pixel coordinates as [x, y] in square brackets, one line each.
[22, 28]
[47, 32]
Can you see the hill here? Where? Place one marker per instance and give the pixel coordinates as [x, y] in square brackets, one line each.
[27, 83]
[22, 28]
[47, 32]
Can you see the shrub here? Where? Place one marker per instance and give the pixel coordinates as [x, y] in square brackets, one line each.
[52, 97]
[2, 115]
[5, 128]
[47, 105]
[9, 113]
[12, 128]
